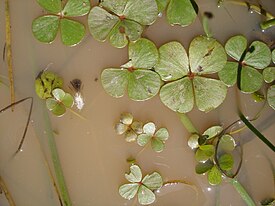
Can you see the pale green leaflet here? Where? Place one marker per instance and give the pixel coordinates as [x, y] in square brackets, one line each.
[45, 28]
[142, 187]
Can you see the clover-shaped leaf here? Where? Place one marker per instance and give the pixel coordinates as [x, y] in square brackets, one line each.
[206, 56]
[157, 138]
[135, 76]
[121, 20]
[214, 176]
[257, 56]
[45, 28]
[57, 105]
[271, 96]
[142, 187]
[45, 83]
[128, 127]
[269, 74]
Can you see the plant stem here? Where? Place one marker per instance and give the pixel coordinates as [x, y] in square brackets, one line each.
[56, 162]
[242, 192]
[3, 186]
[187, 123]
[8, 49]
[267, 24]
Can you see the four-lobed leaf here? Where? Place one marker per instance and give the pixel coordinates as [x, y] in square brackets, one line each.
[256, 56]
[157, 138]
[135, 76]
[206, 56]
[45, 28]
[121, 20]
[143, 188]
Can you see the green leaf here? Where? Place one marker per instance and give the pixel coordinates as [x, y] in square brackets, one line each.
[115, 81]
[229, 73]
[76, 8]
[137, 127]
[202, 168]
[116, 6]
[181, 12]
[227, 143]
[235, 46]
[260, 57]
[273, 56]
[55, 107]
[58, 94]
[118, 38]
[121, 128]
[214, 176]
[206, 55]
[193, 141]
[153, 181]
[143, 139]
[53, 6]
[204, 152]
[182, 100]
[143, 54]
[45, 28]
[209, 93]
[101, 23]
[143, 84]
[162, 134]
[145, 196]
[72, 32]
[173, 61]
[226, 162]
[213, 131]
[126, 118]
[162, 4]
[62, 97]
[271, 96]
[68, 100]
[149, 128]
[128, 191]
[143, 12]
[251, 79]
[269, 74]
[135, 174]
[157, 145]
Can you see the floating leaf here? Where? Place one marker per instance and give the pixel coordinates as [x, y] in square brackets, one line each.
[204, 152]
[143, 139]
[128, 191]
[193, 141]
[123, 19]
[53, 6]
[149, 128]
[162, 4]
[142, 83]
[269, 74]
[157, 144]
[75, 8]
[145, 196]
[271, 96]
[236, 46]
[227, 143]
[55, 107]
[137, 127]
[202, 168]
[258, 96]
[72, 32]
[181, 12]
[213, 131]
[126, 118]
[251, 79]
[273, 56]
[130, 136]
[135, 174]
[226, 162]
[153, 181]
[45, 28]
[214, 176]
[121, 128]
[162, 134]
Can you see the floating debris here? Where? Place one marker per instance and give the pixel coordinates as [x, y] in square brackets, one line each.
[78, 97]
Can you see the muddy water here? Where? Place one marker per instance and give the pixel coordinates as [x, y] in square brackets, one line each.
[93, 157]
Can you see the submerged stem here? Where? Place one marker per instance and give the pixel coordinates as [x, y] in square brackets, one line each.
[4, 187]
[187, 123]
[242, 192]
[56, 162]
[8, 49]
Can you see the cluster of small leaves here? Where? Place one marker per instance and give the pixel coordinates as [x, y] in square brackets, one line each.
[253, 59]
[184, 76]
[135, 131]
[142, 187]
[45, 28]
[48, 87]
[205, 152]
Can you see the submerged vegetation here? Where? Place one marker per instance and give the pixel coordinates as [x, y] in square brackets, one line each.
[182, 78]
